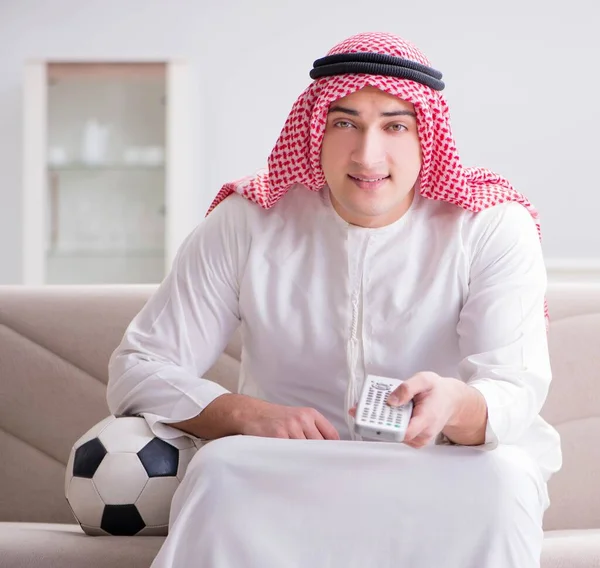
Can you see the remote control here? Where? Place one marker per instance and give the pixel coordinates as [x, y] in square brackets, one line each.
[374, 418]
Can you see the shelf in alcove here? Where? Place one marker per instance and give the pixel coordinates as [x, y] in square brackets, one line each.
[82, 167]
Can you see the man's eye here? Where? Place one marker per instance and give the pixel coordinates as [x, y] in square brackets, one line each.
[343, 124]
[397, 127]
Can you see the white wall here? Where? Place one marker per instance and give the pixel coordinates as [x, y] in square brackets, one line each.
[521, 82]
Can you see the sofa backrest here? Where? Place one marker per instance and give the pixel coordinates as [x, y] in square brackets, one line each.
[573, 404]
[55, 342]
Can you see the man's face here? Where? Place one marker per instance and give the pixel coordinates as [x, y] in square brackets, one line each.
[371, 135]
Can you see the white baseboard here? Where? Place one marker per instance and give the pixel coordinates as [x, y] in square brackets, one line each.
[573, 270]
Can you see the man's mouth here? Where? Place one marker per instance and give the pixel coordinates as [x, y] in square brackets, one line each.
[368, 179]
[370, 183]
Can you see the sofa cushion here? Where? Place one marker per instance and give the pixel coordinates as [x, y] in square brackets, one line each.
[571, 549]
[39, 545]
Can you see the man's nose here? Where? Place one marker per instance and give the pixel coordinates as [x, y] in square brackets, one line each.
[369, 152]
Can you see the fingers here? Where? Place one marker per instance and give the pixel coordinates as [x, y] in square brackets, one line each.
[422, 427]
[416, 425]
[325, 427]
[311, 432]
[297, 432]
[299, 424]
[421, 382]
[418, 442]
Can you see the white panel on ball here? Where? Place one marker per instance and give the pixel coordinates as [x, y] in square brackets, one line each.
[182, 443]
[85, 501]
[127, 434]
[120, 479]
[94, 531]
[95, 431]
[154, 503]
[153, 531]
[69, 470]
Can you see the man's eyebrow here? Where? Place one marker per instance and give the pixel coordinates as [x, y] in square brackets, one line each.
[352, 112]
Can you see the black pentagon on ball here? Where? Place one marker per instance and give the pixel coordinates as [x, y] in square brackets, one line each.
[159, 458]
[121, 520]
[88, 457]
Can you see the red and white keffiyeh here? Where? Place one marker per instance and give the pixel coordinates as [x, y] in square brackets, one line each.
[295, 157]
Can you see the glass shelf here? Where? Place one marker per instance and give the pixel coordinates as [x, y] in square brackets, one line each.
[108, 189]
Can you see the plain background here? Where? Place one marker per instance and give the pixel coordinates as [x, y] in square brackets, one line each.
[521, 76]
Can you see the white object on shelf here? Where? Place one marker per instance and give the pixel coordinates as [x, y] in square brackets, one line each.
[94, 142]
[153, 155]
[146, 155]
[57, 156]
[132, 155]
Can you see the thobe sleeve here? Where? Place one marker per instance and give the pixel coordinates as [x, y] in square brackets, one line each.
[502, 327]
[157, 370]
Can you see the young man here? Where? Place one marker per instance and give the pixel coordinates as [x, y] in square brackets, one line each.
[365, 248]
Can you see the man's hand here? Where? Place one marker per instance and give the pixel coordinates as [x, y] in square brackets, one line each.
[438, 404]
[277, 421]
[231, 414]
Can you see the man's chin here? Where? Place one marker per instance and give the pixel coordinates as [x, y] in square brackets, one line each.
[372, 209]
[365, 215]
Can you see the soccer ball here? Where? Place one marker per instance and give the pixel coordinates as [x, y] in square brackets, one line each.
[120, 477]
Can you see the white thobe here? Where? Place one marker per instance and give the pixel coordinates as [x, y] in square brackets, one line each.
[322, 303]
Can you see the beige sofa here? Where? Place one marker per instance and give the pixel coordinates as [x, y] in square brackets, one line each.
[54, 347]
